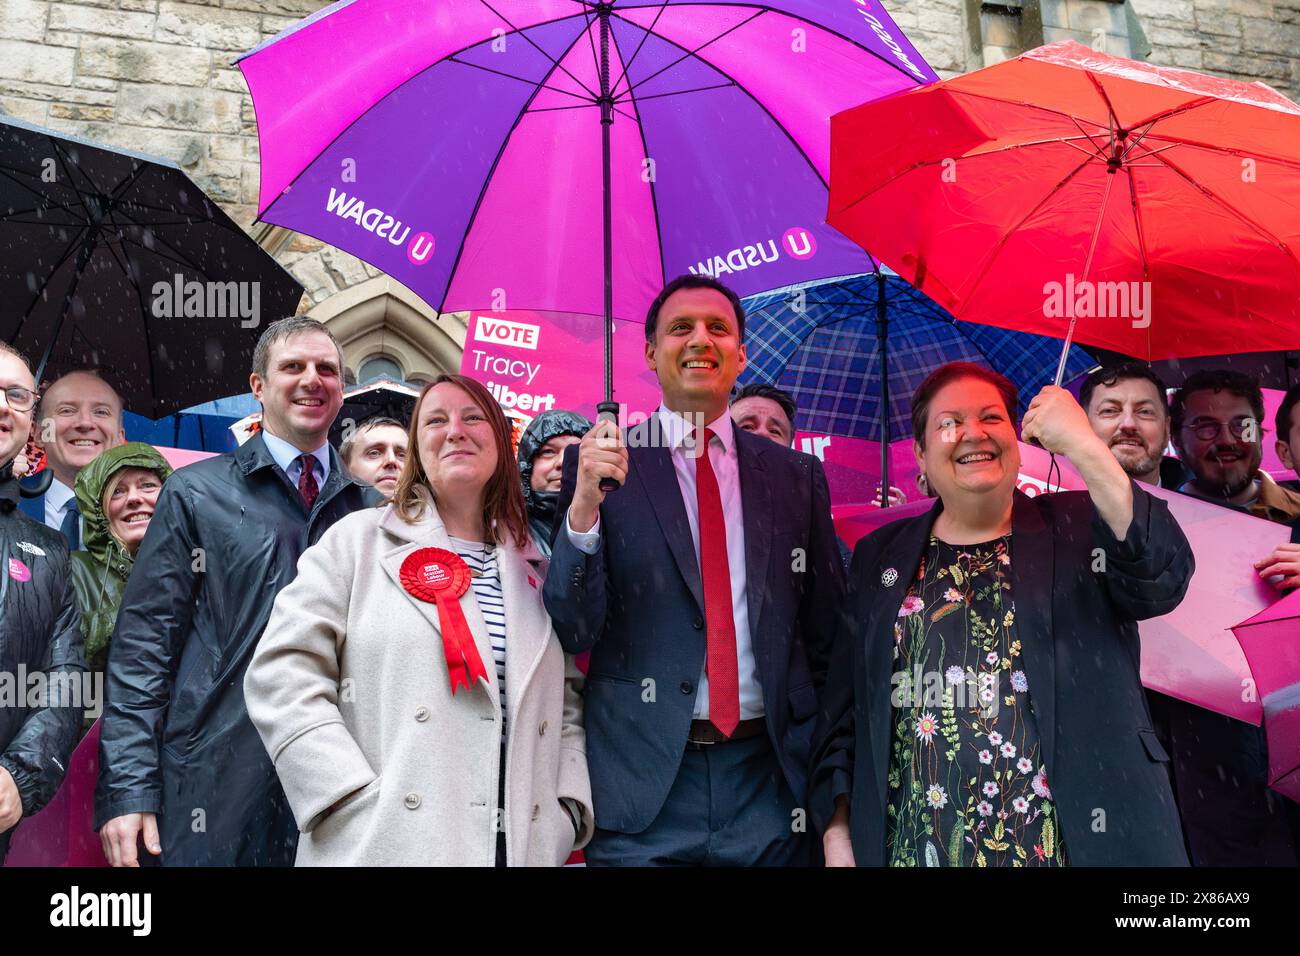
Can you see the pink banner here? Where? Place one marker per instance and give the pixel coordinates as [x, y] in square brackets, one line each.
[537, 361]
[62, 833]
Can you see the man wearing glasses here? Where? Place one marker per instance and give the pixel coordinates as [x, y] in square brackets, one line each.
[1230, 817]
[1218, 420]
[40, 629]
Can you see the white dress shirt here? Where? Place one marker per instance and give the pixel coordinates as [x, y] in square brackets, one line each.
[673, 430]
[286, 456]
[57, 499]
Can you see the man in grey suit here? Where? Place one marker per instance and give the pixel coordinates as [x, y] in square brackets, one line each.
[706, 589]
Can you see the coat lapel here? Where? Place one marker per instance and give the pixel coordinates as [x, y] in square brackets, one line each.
[430, 533]
[898, 564]
[527, 626]
[1032, 580]
[756, 506]
[653, 465]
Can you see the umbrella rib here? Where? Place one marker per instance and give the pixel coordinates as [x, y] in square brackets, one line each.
[689, 54]
[1110, 107]
[1002, 242]
[1175, 110]
[591, 41]
[892, 65]
[697, 89]
[77, 191]
[366, 112]
[124, 264]
[1231, 210]
[487, 179]
[645, 150]
[1068, 140]
[1142, 245]
[555, 64]
[67, 254]
[627, 64]
[1229, 150]
[177, 259]
[521, 79]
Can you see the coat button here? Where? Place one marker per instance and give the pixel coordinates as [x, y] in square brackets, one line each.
[687, 687]
[412, 801]
[541, 731]
[698, 623]
[422, 714]
[537, 811]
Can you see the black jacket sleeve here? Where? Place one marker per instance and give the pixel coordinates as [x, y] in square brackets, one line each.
[834, 741]
[154, 619]
[37, 757]
[1147, 573]
[574, 592]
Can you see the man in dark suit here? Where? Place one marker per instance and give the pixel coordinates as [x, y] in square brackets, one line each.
[706, 589]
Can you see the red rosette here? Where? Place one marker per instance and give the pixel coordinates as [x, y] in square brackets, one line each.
[438, 576]
[430, 573]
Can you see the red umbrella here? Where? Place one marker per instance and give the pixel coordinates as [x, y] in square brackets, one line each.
[1159, 207]
[1271, 640]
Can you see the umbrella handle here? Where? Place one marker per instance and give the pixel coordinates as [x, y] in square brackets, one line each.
[608, 412]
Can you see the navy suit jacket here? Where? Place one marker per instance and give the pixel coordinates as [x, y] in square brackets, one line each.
[1077, 621]
[637, 604]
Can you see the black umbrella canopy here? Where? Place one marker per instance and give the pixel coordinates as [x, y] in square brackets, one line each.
[115, 260]
[382, 398]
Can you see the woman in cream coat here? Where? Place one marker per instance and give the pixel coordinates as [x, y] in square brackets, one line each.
[351, 689]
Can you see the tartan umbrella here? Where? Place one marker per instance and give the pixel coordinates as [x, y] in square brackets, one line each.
[853, 350]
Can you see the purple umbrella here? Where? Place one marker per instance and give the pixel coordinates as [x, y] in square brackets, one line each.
[495, 155]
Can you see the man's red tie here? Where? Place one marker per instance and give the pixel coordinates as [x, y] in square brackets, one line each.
[720, 625]
[307, 486]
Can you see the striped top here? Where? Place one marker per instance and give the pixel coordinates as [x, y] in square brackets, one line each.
[485, 579]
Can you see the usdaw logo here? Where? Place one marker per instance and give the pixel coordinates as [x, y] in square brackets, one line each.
[381, 224]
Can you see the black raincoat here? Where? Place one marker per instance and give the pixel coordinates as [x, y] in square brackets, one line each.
[542, 504]
[42, 656]
[176, 739]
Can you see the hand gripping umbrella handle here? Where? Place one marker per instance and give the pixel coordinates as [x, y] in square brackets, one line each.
[608, 412]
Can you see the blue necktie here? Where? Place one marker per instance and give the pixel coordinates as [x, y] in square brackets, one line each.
[71, 526]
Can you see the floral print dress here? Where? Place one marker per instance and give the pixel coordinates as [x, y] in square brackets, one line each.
[967, 785]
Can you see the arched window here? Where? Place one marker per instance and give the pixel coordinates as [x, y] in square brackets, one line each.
[379, 366]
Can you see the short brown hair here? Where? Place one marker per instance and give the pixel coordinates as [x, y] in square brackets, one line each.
[945, 375]
[503, 497]
[283, 329]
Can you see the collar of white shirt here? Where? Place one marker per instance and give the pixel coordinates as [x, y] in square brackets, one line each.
[286, 454]
[57, 498]
[675, 428]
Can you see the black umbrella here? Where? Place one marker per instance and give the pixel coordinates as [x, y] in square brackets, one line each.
[114, 260]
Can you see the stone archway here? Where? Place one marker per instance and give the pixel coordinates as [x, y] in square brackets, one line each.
[381, 317]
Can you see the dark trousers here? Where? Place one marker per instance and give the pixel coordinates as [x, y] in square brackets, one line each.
[1220, 769]
[729, 806]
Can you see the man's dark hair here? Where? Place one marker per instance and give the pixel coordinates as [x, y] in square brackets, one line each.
[945, 375]
[283, 329]
[772, 393]
[374, 421]
[690, 281]
[1283, 421]
[1128, 372]
[1217, 380]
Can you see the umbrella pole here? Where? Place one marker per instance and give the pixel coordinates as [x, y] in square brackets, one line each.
[1087, 270]
[882, 333]
[608, 409]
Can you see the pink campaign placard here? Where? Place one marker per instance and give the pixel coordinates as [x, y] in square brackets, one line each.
[533, 362]
[1191, 653]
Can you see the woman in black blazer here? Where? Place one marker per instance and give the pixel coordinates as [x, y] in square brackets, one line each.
[984, 706]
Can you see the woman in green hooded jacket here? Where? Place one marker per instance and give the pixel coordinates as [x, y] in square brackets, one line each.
[116, 493]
